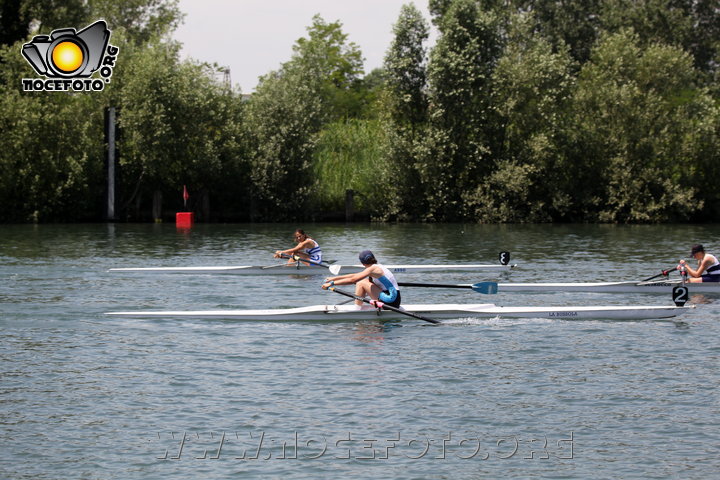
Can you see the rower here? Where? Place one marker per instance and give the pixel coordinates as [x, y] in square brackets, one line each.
[307, 249]
[375, 281]
[708, 269]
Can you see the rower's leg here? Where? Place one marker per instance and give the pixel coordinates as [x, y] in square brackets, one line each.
[365, 288]
[360, 290]
[302, 255]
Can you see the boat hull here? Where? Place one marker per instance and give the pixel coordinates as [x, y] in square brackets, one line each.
[440, 311]
[609, 287]
[294, 269]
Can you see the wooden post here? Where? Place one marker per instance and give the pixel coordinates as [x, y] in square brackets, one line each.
[205, 205]
[110, 162]
[157, 206]
[349, 205]
[138, 205]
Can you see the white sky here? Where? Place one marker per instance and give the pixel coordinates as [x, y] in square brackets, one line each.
[253, 37]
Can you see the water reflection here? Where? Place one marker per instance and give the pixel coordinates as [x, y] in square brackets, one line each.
[372, 332]
[700, 299]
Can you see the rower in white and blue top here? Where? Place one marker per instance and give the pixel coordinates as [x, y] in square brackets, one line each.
[307, 249]
[708, 269]
[375, 281]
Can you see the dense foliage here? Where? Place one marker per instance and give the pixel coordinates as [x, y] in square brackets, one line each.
[523, 111]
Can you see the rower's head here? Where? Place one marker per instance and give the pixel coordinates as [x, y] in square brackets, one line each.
[366, 257]
[300, 235]
[697, 250]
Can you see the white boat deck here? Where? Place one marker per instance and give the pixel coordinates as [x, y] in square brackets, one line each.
[439, 311]
[665, 287]
[302, 269]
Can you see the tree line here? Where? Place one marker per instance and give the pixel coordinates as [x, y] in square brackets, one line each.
[523, 111]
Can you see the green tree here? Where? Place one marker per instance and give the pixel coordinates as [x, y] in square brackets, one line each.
[42, 17]
[367, 95]
[632, 133]
[287, 112]
[439, 8]
[349, 155]
[12, 26]
[406, 106]
[283, 117]
[141, 19]
[50, 149]
[405, 68]
[575, 24]
[179, 124]
[532, 85]
[693, 25]
[335, 64]
[462, 133]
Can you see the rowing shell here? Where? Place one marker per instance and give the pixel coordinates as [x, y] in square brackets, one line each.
[440, 311]
[302, 269]
[610, 287]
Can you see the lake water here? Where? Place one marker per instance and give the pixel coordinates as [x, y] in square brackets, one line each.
[88, 396]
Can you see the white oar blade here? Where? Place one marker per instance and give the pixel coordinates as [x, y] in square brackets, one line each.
[335, 269]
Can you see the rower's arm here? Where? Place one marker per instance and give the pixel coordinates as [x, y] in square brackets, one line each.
[701, 267]
[691, 272]
[294, 249]
[706, 262]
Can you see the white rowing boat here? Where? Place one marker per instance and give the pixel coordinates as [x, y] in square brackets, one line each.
[439, 311]
[664, 286]
[302, 269]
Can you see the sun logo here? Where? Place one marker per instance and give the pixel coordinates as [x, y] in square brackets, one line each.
[67, 57]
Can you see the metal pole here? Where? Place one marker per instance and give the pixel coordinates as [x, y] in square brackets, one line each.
[110, 136]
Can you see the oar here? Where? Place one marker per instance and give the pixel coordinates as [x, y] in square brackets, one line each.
[334, 269]
[275, 266]
[663, 273]
[298, 258]
[409, 314]
[480, 287]
[294, 257]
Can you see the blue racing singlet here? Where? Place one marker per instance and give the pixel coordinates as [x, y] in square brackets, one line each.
[389, 286]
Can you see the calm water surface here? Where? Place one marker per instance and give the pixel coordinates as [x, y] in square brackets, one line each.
[86, 396]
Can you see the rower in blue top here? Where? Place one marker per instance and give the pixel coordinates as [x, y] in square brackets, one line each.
[306, 249]
[375, 281]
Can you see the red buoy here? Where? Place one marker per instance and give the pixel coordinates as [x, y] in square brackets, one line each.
[184, 219]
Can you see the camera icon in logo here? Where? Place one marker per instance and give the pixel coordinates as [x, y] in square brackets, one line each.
[67, 53]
